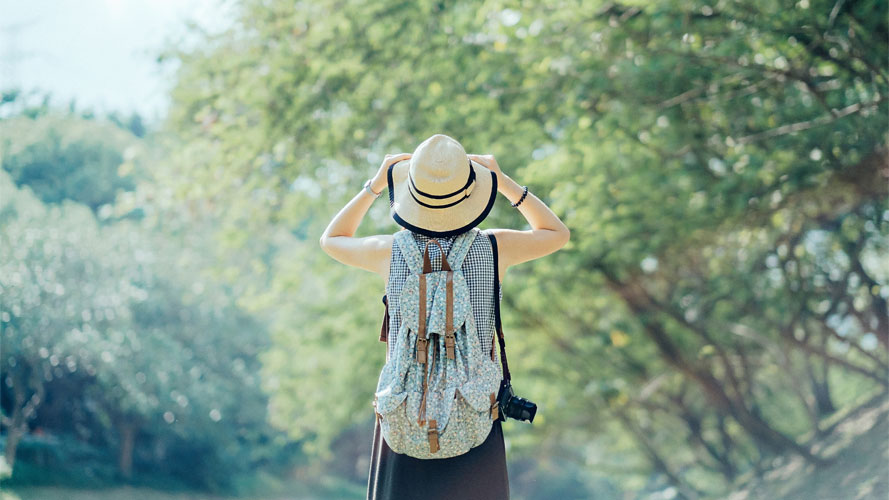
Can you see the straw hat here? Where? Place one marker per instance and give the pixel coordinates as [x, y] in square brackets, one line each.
[439, 191]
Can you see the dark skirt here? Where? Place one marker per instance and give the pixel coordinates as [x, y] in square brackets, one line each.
[479, 473]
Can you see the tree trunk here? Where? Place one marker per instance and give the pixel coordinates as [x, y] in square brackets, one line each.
[638, 301]
[659, 463]
[13, 437]
[782, 357]
[23, 409]
[829, 358]
[695, 426]
[127, 430]
[821, 388]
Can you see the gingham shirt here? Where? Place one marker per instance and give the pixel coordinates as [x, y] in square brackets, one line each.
[478, 269]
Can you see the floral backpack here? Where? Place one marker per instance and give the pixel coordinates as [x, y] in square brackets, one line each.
[437, 395]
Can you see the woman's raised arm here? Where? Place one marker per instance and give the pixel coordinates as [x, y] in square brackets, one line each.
[370, 252]
[547, 234]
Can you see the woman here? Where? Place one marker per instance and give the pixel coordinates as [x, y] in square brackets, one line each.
[439, 191]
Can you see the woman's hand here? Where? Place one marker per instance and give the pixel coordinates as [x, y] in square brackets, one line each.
[489, 162]
[380, 181]
[548, 233]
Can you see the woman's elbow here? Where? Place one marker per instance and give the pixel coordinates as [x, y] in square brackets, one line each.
[564, 236]
[324, 242]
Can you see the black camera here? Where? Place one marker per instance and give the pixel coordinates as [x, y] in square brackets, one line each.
[512, 406]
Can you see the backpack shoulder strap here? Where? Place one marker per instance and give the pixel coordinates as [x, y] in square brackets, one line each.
[498, 324]
[409, 251]
[460, 248]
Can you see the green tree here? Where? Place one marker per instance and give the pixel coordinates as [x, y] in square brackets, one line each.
[721, 167]
[64, 157]
[152, 344]
[50, 319]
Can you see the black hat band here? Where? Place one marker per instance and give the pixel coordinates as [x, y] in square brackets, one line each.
[413, 187]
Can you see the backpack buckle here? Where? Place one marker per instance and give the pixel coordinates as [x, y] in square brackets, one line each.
[450, 340]
[422, 350]
[432, 434]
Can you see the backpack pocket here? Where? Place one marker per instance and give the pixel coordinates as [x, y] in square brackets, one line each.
[473, 424]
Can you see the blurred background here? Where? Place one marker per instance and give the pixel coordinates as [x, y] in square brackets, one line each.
[716, 328]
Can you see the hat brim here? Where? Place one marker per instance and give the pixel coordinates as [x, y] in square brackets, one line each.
[438, 223]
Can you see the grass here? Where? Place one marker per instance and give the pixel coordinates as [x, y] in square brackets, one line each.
[332, 489]
[126, 493]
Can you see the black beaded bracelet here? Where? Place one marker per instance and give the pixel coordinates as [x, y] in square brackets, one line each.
[524, 193]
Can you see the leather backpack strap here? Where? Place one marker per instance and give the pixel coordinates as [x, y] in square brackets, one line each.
[427, 262]
[499, 324]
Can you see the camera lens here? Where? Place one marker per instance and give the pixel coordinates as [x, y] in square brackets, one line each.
[521, 409]
[514, 406]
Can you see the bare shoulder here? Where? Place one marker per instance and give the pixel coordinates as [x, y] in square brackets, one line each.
[515, 247]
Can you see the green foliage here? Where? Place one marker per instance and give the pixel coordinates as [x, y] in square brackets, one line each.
[332, 351]
[64, 157]
[721, 167]
[718, 165]
[123, 311]
[62, 459]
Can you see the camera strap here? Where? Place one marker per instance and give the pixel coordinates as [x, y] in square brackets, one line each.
[384, 330]
[499, 324]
